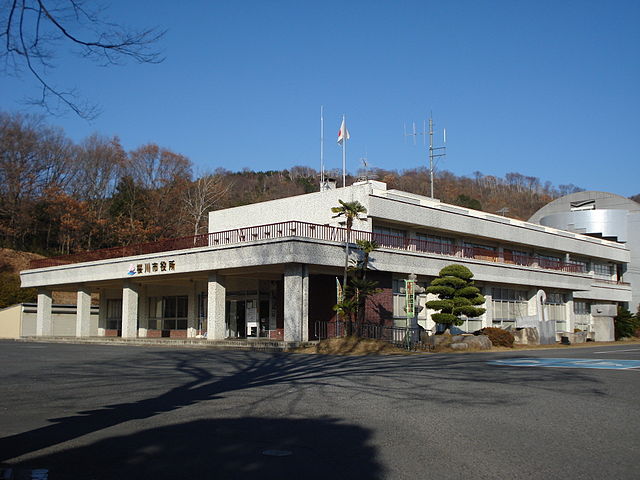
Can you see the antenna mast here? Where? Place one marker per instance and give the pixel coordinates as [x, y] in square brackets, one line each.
[434, 152]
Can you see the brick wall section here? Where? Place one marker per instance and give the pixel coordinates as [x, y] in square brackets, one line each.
[322, 298]
[379, 307]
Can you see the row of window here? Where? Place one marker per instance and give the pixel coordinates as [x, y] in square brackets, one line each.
[398, 238]
[165, 313]
[508, 305]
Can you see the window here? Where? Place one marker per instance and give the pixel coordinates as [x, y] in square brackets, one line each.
[114, 314]
[603, 270]
[168, 313]
[508, 305]
[555, 306]
[471, 325]
[175, 313]
[435, 244]
[549, 261]
[517, 257]
[389, 237]
[202, 311]
[579, 266]
[481, 252]
[582, 314]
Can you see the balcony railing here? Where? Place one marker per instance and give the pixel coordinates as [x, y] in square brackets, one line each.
[304, 230]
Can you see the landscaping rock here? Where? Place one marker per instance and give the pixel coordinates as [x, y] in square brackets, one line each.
[526, 336]
[477, 342]
[574, 337]
[459, 346]
[437, 341]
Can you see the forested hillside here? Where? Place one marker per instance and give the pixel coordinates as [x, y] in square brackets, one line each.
[57, 196]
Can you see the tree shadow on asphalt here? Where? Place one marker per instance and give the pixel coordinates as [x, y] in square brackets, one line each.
[239, 448]
[183, 378]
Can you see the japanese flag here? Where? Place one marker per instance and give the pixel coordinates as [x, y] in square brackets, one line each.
[343, 132]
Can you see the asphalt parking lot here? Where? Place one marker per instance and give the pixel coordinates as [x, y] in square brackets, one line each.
[103, 412]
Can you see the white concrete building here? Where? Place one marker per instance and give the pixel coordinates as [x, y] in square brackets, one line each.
[270, 269]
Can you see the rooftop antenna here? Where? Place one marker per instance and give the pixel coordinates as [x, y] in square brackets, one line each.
[365, 167]
[434, 152]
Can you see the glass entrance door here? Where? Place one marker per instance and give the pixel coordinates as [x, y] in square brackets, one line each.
[236, 319]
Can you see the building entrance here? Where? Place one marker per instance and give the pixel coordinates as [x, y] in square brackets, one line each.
[236, 320]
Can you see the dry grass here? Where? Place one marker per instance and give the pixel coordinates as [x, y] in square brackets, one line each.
[365, 346]
[14, 261]
[352, 346]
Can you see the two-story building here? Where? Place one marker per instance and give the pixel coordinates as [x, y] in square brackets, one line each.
[270, 269]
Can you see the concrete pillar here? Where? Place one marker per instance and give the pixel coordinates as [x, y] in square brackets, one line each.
[102, 313]
[192, 305]
[305, 303]
[487, 318]
[129, 310]
[216, 296]
[143, 312]
[296, 301]
[83, 312]
[44, 323]
[603, 326]
[568, 313]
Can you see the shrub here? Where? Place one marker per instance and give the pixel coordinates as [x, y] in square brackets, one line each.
[626, 325]
[499, 336]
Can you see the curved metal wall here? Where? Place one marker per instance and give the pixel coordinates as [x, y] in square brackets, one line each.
[608, 223]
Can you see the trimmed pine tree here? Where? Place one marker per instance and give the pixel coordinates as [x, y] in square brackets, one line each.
[457, 296]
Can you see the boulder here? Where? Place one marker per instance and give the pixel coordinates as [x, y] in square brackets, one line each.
[526, 336]
[459, 346]
[575, 337]
[478, 342]
[436, 341]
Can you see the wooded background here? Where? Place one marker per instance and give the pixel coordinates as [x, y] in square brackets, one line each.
[58, 197]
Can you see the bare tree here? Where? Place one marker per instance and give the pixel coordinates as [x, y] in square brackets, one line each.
[34, 160]
[161, 176]
[201, 197]
[33, 32]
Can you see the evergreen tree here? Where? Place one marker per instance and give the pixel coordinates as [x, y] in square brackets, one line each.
[457, 296]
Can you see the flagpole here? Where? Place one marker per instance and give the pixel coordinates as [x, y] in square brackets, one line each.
[344, 153]
[321, 147]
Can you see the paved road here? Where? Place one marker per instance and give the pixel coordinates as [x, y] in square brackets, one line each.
[119, 412]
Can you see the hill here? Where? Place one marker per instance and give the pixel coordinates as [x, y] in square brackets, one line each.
[11, 262]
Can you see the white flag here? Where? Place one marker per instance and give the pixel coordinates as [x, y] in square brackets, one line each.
[343, 132]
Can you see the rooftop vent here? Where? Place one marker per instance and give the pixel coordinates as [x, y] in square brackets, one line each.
[583, 205]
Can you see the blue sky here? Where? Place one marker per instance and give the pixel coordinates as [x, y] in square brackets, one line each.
[544, 88]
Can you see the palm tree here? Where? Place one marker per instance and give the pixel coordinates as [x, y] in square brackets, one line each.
[351, 211]
[362, 265]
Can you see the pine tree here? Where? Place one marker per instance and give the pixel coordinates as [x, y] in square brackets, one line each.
[457, 296]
